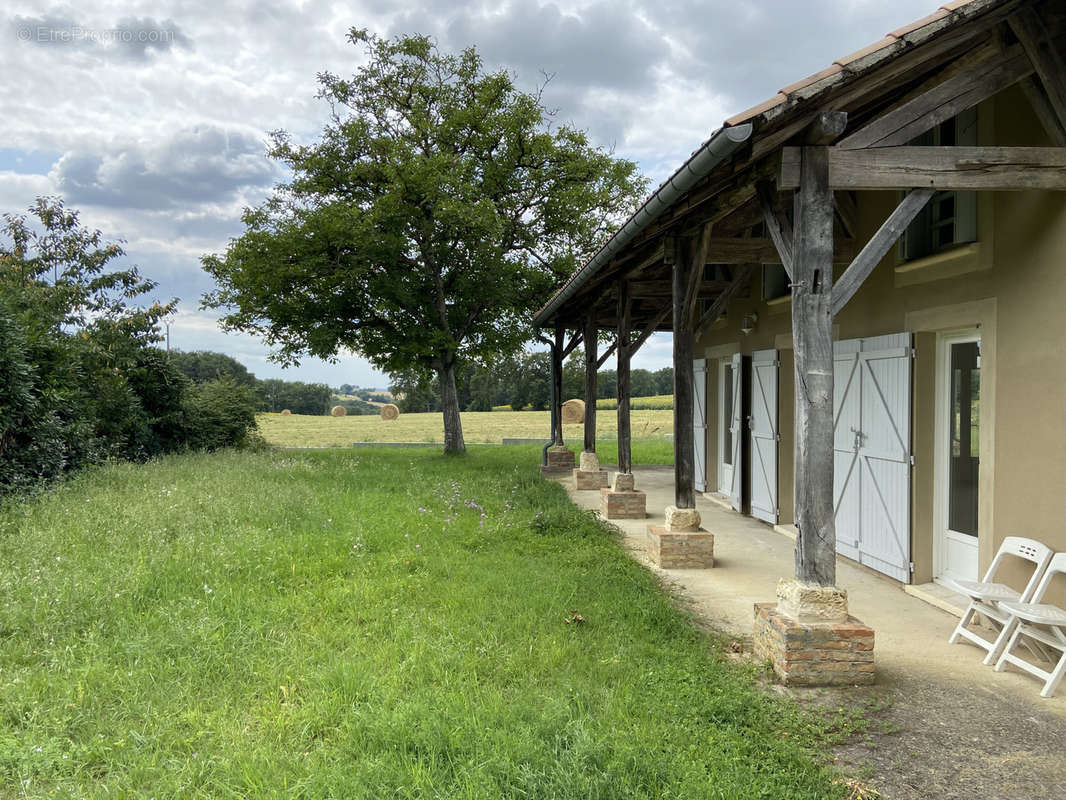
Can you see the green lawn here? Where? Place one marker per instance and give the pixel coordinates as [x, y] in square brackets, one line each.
[360, 624]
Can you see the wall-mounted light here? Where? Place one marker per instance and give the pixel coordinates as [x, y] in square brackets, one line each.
[747, 325]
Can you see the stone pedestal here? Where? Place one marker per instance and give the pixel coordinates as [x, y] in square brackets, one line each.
[584, 480]
[623, 505]
[815, 653]
[589, 476]
[680, 549]
[681, 543]
[560, 461]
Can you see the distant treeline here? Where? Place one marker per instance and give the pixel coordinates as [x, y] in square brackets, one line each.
[274, 394]
[521, 382]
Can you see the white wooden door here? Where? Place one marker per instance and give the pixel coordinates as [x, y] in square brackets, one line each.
[699, 422]
[764, 437]
[729, 428]
[957, 458]
[872, 434]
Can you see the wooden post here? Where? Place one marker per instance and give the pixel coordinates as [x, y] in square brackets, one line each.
[557, 385]
[625, 453]
[812, 334]
[684, 449]
[591, 365]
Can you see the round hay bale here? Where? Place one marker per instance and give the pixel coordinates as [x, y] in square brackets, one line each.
[286, 413]
[339, 411]
[573, 412]
[389, 411]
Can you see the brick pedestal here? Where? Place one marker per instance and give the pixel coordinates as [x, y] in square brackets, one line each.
[680, 549]
[814, 654]
[623, 505]
[586, 480]
[560, 461]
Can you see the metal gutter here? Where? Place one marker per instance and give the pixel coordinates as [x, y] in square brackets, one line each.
[717, 149]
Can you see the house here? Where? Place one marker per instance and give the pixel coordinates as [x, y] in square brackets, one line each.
[889, 232]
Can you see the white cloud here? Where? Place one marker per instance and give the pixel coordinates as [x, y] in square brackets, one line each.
[160, 142]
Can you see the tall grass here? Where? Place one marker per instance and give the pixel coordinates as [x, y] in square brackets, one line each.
[359, 625]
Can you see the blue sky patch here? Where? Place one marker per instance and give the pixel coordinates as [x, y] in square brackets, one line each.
[26, 162]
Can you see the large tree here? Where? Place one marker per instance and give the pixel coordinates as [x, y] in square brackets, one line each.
[438, 208]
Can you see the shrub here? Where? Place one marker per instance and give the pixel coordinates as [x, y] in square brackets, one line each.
[219, 413]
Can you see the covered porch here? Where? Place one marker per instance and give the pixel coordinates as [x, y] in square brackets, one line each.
[947, 718]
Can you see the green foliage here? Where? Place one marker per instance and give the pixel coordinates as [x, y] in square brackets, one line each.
[80, 378]
[201, 366]
[385, 624]
[297, 396]
[439, 207]
[220, 413]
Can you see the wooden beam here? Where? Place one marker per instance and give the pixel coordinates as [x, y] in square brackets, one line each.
[777, 226]
[1041, 104]
[945, 168]
[812, 336]
[695, 276]
[607, 354]
[719, 306]
[684, 447]
[653, 290]
[574, 342]
[625, 307]
[826, 127]
[942, 102]
[591, 340]
[848, 214]
[1046, 60]
[650, 328]
[878, 247]
[557, 357]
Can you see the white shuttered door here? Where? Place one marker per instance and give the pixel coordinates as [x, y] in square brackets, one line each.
[699, 422]
[871, 479]
[764, 437]
[737, 431]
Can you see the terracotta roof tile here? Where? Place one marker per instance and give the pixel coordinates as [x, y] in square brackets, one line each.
[955, 5]
[754, 111]
[880, 44]
[899, 33]
[832, 69]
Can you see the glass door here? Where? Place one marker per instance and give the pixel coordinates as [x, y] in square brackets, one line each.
[959, 455]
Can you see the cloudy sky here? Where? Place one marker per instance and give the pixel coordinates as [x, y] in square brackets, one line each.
[151, 117]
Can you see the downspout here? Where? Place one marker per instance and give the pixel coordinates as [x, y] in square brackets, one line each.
[551, 406]
[717, 149]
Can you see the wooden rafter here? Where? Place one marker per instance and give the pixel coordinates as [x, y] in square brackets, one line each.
[695, 275]
[942, 102]
[1046, 60]
[943, 168]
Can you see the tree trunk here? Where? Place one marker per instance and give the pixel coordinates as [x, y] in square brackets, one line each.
[453, 426]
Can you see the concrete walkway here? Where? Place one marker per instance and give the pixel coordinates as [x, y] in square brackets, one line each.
[958, 728]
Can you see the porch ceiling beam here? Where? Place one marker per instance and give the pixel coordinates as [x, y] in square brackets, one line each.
[1046, 60]
[646, 290]
[942, 102]
[878, 246]
[777, 226]
[719, 306]
[942, 168]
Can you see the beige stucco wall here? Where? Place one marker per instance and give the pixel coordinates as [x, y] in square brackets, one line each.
[1013, 284]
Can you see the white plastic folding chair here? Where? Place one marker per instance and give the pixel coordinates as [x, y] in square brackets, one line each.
[1025, 617]
[987, 595]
